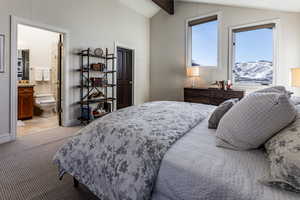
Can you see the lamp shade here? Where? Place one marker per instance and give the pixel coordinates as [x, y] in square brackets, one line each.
[193, 71]
[295, 77]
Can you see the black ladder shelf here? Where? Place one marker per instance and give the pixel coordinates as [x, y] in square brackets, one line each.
[90, 103]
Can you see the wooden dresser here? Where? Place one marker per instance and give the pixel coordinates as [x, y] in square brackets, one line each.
[25, 102]
[211, 96]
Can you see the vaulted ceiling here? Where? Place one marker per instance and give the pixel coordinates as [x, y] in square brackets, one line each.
[149, 9]
[284, 5]
[144, 7]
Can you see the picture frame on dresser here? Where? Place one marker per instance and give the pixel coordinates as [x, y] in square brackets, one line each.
[2, 50]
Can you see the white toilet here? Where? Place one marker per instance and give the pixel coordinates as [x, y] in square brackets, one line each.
[47, 103]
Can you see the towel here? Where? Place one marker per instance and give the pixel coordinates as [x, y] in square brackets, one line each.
[38, 74]
[46, 74]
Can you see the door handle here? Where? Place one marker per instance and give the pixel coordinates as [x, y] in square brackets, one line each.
[130, 82]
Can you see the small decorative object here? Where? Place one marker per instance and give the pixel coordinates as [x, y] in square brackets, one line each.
[98, 67]
[99, 111]
[96, 95]
[87, 113]
[2, 49]
[98, 52]
[214, 85]
[229, 85]
[193, 72]
[222, 85]
[23, 81]
[97, 82]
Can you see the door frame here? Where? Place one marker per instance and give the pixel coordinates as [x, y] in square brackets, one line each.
[133, 49]
[15, 21]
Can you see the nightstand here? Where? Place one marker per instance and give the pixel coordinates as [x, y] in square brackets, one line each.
[210, 95]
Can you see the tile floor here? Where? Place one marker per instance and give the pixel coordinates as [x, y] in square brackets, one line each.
[37, 124]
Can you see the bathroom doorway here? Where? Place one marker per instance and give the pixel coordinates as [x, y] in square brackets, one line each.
[39, 75]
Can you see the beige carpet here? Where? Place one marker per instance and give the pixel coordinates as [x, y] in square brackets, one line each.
[27, 172]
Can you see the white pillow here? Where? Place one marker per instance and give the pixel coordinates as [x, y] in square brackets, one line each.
[252, 121]
[275, 89]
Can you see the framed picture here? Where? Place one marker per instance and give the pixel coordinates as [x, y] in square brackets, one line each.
[2, 49]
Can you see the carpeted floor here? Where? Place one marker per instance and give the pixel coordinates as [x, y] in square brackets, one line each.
[27, 172]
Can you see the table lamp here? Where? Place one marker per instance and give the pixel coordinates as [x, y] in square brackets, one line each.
[193, 72]
[295, 77]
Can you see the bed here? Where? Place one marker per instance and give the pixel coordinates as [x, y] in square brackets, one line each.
[194, 168]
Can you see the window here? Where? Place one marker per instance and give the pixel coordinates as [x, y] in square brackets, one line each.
[253, 56]
[203, 42]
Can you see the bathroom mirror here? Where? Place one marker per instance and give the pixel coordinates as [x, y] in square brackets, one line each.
[23, 64]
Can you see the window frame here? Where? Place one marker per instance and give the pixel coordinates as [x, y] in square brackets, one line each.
[188, 56]
[231, 63]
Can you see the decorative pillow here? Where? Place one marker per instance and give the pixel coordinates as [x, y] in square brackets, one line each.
[219, 112]
[275, 89]
[254, 120]
[295, 100]
[283, 152]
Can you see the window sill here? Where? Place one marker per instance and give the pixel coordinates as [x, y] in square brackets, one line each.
[250, 88]
[206, 67]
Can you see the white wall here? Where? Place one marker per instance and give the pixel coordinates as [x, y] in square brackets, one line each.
[167, 59]
[91, 23]
[41, 44]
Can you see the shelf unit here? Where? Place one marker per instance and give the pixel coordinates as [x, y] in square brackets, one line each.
[107, 101]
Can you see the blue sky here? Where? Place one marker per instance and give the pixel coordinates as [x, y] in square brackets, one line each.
[254, 45]
[250, 45]
[204, 49]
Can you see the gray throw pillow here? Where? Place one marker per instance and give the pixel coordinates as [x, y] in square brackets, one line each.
[283, 152]
[219, 112]
[254, 120]
[295, 100]
[275, 89]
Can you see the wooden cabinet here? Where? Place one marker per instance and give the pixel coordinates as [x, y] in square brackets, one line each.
[211, 96]
[25, 102]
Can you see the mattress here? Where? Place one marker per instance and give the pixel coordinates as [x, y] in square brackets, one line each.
[195, 169]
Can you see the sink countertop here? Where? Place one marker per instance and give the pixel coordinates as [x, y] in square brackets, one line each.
[26, 85]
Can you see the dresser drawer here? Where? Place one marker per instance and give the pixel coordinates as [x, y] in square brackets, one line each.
[204, 100]
[196, 93]
[234, 94]
[210, 96]
[217, 101]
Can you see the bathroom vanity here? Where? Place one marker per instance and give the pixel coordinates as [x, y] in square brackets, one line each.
[25, 101]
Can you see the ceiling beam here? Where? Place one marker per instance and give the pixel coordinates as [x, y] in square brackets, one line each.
[167, 5]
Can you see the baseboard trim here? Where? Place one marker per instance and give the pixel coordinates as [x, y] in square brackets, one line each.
[72, 122]
[4, 138]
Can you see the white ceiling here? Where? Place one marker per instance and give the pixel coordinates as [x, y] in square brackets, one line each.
[149, 9]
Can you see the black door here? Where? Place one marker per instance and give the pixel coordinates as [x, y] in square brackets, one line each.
[124, 81]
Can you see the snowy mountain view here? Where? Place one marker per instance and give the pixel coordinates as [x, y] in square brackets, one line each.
[195, 63]
[259, 72]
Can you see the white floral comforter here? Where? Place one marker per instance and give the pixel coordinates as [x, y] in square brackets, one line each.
[118, 157]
